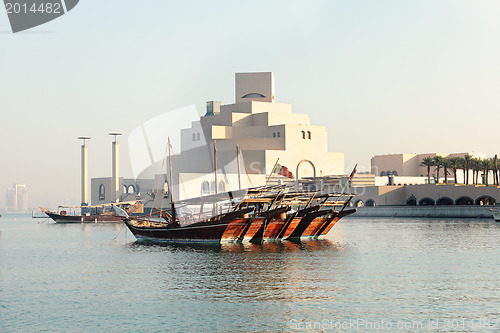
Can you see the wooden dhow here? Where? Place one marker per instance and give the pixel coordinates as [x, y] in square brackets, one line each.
[258, 214]
[92, 214]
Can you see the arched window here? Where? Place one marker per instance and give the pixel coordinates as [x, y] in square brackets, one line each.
[131, 189]
[197, 136]
[212, 187]
[303, 135]
[253, 95]
[309, 135]
[394, 173]
[194, 137]
[370, 203]
[464, 201]
[274, 134]
[426, 202]
[412, 201]
[359, 203]
[205, 187]
[485, 200]
[102, 192]
[278, 134]
[382, 174]
[125, 190]
[444, 201]
[222, 187]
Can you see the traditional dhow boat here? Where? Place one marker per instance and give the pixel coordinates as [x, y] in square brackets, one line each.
[253, 215]
[92, 214]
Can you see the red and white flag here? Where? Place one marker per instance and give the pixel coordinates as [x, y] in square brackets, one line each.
[282, 170]
[353, 172]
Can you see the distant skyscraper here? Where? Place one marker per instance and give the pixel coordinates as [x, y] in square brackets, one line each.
[16, 198]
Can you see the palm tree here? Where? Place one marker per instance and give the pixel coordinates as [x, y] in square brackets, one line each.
[428, 162]
[438, 163]
[467, 163]
[495, 169]
[476, 165]
[455, 164]
[446, 163]
[488, 164]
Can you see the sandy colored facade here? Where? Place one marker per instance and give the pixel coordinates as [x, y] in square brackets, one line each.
[426, 195]
[265, 131]
[409, 164]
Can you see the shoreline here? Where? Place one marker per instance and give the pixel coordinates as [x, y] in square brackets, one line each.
[426, 211]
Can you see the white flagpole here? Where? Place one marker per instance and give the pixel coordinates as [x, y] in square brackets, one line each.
[274, 167]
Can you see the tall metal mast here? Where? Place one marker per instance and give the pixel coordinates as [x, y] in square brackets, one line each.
[170, 182]
[238, 161]
[215, 167]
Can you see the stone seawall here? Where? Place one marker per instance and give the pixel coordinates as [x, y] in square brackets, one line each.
[426, 211]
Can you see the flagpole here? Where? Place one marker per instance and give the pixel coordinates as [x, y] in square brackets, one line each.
[215, 206]
[350, 177]
[238, 160]
[172, 206]
[274, 167]
[215, 167]
[342, 192]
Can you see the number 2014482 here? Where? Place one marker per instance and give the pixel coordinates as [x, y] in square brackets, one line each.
[23, 8]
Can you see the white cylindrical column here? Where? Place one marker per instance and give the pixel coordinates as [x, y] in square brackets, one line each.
[115, 172]
[84, 173]
[115, 175]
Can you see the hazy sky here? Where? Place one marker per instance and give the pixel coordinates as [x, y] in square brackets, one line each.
[383, 76]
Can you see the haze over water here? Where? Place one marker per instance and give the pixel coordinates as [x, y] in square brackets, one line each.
[382, 76]
[391, 272]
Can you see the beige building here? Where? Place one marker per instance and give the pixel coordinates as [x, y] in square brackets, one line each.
[128, 190]
[266, 132]
[426, 195]
[409, 164]
[401, 181]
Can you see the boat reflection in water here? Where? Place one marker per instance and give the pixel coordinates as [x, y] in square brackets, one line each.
[270, 247]
[281, 246]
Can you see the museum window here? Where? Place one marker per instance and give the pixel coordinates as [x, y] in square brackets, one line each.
[253, 95]
[197, 136]
[102, 192]
[205, 187]
[278, 134]
[194, 137]
[274, 134]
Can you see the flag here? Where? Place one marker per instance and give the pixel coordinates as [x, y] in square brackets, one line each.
[353, 172]
[282, 170]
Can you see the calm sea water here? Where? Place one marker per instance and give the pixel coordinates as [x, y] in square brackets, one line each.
[369, 274]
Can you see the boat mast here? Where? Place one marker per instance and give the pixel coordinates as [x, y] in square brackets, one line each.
[170, 185]
[216, 206]
[215, 166]
[238, 160]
